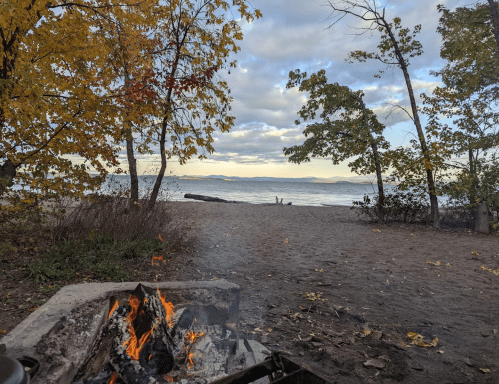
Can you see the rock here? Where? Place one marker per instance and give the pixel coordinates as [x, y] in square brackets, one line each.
[375, 363]
[376, 335]
[468, 362]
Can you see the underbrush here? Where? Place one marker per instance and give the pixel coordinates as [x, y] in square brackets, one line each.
[412, 208]
[402, 206]
[89, 239]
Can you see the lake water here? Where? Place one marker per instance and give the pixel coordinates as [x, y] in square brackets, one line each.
[258, 192]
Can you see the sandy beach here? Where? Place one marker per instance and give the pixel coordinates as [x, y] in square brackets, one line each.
[340, 294]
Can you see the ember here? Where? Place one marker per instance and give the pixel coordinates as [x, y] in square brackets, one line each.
[113, 309]
[156, 258]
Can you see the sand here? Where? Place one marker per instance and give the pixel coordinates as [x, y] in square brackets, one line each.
[366, 286]
[340, 294]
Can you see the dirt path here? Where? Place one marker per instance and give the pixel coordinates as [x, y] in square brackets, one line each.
[341, 295]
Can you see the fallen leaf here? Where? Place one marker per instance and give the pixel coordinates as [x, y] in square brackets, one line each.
[485, 370]
[313, 296]
[441, 352]
[437, 263]
[258, 330]
[376, 230]
[417, 339]
[475, 253]
[366, 332]
[3, 331]
[286, 241]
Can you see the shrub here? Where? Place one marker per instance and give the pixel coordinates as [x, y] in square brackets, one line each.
[404, 206]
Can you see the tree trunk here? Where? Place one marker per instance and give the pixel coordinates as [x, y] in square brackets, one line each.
[377, 165]
[164, 126]
[435, 218]
[379, 178]
[494, 14]
[161, 173]
[482, 219]
[132, 162]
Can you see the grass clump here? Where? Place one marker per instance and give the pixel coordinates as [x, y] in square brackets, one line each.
[99, 258]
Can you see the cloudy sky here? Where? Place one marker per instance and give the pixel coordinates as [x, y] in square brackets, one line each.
[294, 34]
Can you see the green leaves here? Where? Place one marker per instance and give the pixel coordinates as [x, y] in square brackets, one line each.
[468, 98]
[342, 127]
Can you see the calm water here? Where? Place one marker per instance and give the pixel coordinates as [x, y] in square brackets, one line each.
[258, 192]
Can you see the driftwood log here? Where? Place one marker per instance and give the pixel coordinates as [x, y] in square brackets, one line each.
[218, 200]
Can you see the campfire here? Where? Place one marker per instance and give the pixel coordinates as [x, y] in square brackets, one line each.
[145, 340]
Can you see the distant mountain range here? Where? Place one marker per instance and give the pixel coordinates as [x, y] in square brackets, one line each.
[311, 179]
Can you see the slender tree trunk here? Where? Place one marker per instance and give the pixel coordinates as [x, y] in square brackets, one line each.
[161, 173]
[377, 165]
[435, 218]
[495, 22]
[132, 162]
[379, 178]
[164, 126]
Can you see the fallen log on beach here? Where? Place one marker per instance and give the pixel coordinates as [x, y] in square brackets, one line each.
[209, 198]
[219, 200]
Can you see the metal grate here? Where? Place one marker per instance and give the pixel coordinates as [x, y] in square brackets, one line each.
[278, 368]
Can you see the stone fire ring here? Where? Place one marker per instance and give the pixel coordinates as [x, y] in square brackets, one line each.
[23, 339]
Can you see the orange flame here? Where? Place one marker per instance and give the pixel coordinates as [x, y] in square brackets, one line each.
[168, 307]
[189, 357]
[113, 378]
[191, 337]
[160, 238]
[154, 258]
[133, 347]
[113, 309]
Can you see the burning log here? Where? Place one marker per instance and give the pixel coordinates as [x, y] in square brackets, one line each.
[146, 341]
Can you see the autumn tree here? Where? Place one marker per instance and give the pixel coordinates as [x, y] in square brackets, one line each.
[132, 46]
[191, 43]
[396, 47]
[463, 111]
[345, 128]
[56, 93]
[494, 17]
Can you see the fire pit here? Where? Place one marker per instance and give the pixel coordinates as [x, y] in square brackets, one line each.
[102, 333]
[113, 333]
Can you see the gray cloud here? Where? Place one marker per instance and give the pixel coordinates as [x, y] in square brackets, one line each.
[293, 34]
